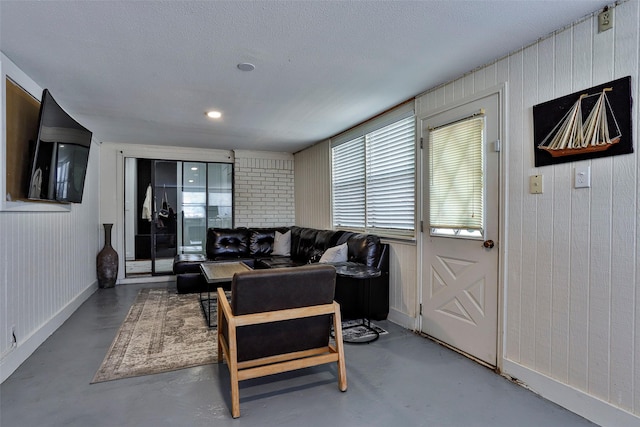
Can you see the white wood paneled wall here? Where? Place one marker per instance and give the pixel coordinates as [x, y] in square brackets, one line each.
[48, 268]
[572, 300]
[403, 290]
[47, 253]
[313, 186]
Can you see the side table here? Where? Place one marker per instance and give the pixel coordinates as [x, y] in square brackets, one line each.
[364, 273]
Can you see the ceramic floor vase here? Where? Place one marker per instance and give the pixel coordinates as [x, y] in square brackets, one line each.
[107, 261]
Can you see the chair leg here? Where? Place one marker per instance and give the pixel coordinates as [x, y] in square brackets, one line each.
[337, 329]
[232, 359]
[235, 393]
[219, 331]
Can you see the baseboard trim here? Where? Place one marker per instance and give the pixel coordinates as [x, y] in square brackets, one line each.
[577, 401]
[402, 319]
[12, 360]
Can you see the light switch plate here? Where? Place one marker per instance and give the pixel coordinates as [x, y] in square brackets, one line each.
[582, 178]
[535, 184]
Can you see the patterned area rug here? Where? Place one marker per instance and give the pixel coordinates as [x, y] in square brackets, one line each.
[162, 332]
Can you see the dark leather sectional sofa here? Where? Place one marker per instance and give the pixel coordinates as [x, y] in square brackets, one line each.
[254, 246]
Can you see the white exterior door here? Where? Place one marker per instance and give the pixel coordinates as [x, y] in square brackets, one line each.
[460, 268]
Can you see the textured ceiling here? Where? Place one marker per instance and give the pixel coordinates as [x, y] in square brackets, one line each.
[146, 71]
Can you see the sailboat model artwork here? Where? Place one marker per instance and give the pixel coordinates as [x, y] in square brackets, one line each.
[572, 136]
[593, 122]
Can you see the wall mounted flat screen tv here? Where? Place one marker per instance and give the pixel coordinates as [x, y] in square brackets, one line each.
[59, 162]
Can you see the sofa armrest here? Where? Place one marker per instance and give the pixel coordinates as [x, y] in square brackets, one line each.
[187, 263]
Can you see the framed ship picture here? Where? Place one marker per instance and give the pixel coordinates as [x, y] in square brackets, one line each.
[591, 123]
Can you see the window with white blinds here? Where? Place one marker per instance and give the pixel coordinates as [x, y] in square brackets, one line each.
[456, 178]
[374, 180]
[349, 184]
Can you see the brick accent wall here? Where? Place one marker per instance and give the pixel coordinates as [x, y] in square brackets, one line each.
[264, 189]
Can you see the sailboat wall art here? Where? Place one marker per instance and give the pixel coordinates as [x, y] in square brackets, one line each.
[591, 123]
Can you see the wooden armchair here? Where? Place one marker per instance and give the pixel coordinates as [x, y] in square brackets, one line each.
[279, 320]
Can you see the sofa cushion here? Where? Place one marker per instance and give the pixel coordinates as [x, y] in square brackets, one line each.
[363, 248]
[324, 240]
[261, 242]
[295, 239]
[228, 243]
[308, 244]
[304, 249]
[277, 262]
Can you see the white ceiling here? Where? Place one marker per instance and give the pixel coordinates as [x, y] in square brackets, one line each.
[146, 71]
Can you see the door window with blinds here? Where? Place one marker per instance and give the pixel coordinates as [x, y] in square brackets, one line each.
[456, 178]
[373, 179]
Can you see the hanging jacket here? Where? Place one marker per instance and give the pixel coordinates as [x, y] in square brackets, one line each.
[146, 205]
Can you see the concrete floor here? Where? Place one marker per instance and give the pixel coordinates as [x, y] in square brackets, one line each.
[400, 380]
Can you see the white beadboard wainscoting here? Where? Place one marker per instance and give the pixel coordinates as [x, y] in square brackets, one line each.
[571, 285]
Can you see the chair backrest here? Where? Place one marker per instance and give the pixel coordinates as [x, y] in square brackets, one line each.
[259, 291]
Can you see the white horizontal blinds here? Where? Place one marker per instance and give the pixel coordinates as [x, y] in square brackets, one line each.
[456, 190]
[391, 176]
[374, 184]
[349, 184]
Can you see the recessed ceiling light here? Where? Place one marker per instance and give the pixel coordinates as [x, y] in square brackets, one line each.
[190, 180]
[214, 114]
[246, 66]
[194, 168]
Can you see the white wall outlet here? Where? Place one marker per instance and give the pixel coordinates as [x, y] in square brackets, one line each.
[582, 178]
[605, 20]
[535, 184]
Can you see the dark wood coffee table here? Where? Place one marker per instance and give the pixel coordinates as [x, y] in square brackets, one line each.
[217, 273]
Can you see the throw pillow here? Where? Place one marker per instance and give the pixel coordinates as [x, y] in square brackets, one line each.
[282, 244]
[335, 254]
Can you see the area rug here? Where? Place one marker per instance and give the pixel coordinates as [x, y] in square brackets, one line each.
[352, 330]
[162, 332]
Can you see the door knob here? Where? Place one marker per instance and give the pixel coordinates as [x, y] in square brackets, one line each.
[488, 244]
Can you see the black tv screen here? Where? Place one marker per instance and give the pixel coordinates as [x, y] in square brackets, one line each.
[59, 162]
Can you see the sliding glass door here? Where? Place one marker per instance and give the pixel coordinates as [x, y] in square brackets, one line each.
[207, 190]
[168, 207]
